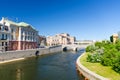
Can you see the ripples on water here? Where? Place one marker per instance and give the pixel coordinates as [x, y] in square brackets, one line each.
[58, 66]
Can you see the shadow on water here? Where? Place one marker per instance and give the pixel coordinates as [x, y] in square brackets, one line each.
[58, 66]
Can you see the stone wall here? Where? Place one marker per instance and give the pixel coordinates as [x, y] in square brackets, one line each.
[9, 55]
[89, 75]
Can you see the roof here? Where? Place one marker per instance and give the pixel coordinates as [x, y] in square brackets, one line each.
[23, 24]
[115, 34]
[20, 24]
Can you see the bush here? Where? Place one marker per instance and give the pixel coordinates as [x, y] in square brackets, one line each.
[106, 53]
[116, 65]
[90, 48]
[94, 58]
[106, 61]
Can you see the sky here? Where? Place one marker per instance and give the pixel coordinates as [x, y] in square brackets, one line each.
[84, 19]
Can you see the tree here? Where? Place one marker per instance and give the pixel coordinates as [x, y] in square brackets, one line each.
[117, 45]
[116, 65]
[90, 48]
[98, 44]
[111, 38]
[96, 57]
[106, 53]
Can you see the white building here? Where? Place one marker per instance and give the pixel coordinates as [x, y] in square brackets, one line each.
[18, 36]
[4, 37]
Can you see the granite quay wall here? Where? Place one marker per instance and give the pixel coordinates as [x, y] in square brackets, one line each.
[9, 55]
[89, 75]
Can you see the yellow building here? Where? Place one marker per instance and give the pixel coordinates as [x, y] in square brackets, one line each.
[114, 37]
[60, 39]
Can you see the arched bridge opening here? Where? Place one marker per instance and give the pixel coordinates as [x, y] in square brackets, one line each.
[65, 49]
[37, 53]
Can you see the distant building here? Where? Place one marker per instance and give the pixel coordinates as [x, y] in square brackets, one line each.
[17, 36]
[114, 38]
[60, 39]
[41, 41]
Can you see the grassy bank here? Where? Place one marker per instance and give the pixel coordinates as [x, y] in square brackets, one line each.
[100, 69]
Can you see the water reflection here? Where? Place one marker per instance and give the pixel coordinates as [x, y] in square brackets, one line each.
[19, 74]
[58, 66]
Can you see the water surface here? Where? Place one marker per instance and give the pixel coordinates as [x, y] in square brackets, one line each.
[57, 66]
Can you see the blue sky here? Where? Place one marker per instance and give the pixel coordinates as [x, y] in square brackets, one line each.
[84, 19]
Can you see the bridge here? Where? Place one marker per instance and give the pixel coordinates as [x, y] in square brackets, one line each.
[84, 42]
[73, 47]
[78, 45]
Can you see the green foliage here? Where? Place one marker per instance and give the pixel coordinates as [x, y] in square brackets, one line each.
[94, 58]
[116, 65]
[98, 44]
[117, 45]
[90, 48]
[106, 53]
[106, 61]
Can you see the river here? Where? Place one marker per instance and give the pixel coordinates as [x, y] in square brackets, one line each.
[57, 66]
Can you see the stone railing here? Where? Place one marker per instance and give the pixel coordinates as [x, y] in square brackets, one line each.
[89, 75]
[10, 55]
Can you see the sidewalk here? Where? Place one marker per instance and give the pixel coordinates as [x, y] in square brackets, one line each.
[6, 61]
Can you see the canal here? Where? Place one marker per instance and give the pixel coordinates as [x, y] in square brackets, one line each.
[57, 66]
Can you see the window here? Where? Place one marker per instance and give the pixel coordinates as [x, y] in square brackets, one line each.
[6, 28]
[22, 37]
[2, 43]
[0, 27]
[6, 36]
[11, 37]
[12, 30]
[28, 37]
[5, 43]
[2, 36]
[25, 38]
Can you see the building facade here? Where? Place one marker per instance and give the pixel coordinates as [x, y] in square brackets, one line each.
[19, 36]
[4, 37]
[60, 39]
[114, 38]
[41, 41]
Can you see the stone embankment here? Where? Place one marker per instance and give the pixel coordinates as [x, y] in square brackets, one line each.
[9, 56]
[89, 75]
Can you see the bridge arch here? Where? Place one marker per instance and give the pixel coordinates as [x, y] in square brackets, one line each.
[75, 49]
[36, 53]
[65, 49]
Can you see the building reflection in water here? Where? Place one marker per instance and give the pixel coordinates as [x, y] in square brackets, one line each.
[19, 74]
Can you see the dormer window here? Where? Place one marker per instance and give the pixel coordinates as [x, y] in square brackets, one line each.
[0, 27]
[6, 28]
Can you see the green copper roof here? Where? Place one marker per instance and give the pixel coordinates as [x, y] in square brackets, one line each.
[20, 24]
[11, 22]
[23, 24]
